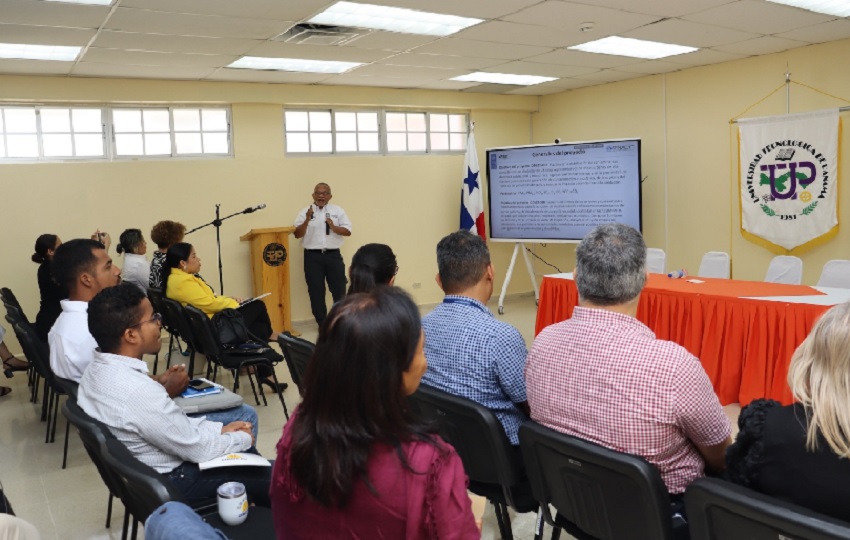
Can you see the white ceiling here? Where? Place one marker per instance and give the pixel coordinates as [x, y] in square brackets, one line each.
[196, 39]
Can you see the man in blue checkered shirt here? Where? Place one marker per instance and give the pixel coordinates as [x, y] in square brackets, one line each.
[470, 353]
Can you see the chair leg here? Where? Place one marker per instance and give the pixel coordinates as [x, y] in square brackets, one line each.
[44, 399]
[504, 521]
[538, 525]
[279, 394]
[556, 533]
[126, 527]
[65, 453]
[48, 402]
[259, 388]
[155, 362]
[55, 417]
[135, 534]
[109, 510]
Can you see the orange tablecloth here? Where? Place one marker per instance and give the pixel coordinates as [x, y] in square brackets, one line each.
[745, 345]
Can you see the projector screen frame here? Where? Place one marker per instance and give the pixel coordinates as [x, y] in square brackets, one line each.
[558, 143]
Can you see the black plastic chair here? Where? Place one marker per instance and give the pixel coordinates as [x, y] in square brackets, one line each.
[39, 355]
[719, 510]
[297, 353]
[9, 299]
[487, 454]
[599, 493]
[175, 318]
[156, 298]
[205, 335]
[16, 312]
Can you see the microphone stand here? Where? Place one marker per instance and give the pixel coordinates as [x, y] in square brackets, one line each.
[217, 224]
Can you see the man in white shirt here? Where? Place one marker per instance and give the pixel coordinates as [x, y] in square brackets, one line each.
[85, 268]
[322, 228]
[117, 390]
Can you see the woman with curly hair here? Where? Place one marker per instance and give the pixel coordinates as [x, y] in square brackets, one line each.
[164, 234]
[353, 461]
[801, 452]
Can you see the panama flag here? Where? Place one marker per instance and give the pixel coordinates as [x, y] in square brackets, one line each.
[471, 198]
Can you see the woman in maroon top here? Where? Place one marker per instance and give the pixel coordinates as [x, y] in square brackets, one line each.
[353, 462]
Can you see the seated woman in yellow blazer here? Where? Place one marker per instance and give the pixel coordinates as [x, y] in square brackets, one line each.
[183, 285]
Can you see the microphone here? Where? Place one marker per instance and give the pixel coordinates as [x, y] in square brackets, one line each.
[327, 228]
[253, 209]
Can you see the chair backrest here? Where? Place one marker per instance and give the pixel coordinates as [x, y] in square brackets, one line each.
[94, 434]
[656, 260]
[604, 493]
[715, 264]
[297, 353]
[203, 333]
[475, 433]
[174, 317]
[157, 301]
[719, 510]
[785, 269]
[15, 315]
[35, 350]
[835, 273]
[9, 299]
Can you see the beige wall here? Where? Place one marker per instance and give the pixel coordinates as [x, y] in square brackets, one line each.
[690, 150]
[408, 202]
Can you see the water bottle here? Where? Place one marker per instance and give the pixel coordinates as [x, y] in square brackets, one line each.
[678, 274]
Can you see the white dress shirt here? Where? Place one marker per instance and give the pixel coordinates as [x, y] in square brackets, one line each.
[136, 270]
[71, 345]
[316, 236]
[118, 391]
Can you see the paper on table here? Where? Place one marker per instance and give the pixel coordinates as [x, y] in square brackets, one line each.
[234, 460]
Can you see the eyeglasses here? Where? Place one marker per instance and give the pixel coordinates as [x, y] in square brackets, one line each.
[157, 318]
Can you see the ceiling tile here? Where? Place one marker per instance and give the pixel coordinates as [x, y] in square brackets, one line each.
[543, 70]
[487, 88]
[610, 75]
[820, 33]
[277, 49]
[661, 8]
[252, 75]
[34, 67]
[521, 34]
[390, 41]
[259, 9]
[704, 57]
[350, 79]
[652, 67]
[145, 58]
[181, 24]
[567, 17]
[45, 35]
[181, 44]
[481, 49]
[479, 9]
[689, 33]
[538, 90]
[385, 70]
[39, 13]
[583, 59]
[87, 69]
[762, 45]
[448, 85]
[443, 61]
[758, 16]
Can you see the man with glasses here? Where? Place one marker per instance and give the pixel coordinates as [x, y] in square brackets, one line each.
[322, 228]
[117, 390]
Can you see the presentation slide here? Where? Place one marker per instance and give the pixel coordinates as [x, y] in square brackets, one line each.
[558, 192]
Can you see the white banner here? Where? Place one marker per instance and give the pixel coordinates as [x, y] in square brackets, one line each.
[789, 174]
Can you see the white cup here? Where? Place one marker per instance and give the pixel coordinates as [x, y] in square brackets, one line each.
[232, 503]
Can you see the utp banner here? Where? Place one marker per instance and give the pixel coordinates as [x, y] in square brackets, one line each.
[788, 176]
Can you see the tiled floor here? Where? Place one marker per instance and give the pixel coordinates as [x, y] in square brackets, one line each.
[71, 504]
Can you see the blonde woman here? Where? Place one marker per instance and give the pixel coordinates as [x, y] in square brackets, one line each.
[801, 452]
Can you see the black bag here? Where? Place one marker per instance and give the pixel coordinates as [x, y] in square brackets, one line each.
[231, 327]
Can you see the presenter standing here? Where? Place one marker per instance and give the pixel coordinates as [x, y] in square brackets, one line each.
[322, 228]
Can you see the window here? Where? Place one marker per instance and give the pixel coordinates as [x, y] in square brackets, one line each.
[336, 132]
[35, 132]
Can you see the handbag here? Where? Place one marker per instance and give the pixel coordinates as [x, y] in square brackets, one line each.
[230, 327]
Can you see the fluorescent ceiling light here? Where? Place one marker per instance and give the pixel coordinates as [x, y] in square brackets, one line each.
[838, 8]
[39, 52]
[293, 64]
[503, 78]
[636, 48]
[87, 2]
[393, 19]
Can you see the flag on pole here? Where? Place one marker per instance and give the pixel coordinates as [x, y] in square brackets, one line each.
[471, 198]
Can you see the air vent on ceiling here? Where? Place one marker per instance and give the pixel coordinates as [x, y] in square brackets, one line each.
[321, 34]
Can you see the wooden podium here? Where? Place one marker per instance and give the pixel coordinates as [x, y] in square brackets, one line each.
[270, 272]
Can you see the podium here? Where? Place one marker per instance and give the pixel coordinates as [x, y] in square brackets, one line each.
[270, 272]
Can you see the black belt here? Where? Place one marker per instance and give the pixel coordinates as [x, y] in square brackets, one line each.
[322, 250]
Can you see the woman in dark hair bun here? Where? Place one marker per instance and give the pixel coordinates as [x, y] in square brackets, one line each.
[50, 291]
[354, 460]
[372, 265]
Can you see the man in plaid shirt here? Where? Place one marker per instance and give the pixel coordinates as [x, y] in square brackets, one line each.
[603, 376]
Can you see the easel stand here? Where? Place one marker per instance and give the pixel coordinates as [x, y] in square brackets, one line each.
[519, 246]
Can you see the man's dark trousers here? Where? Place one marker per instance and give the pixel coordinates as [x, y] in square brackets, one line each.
[320, 266]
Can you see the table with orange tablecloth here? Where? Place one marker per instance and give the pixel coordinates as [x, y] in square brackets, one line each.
[744, 343]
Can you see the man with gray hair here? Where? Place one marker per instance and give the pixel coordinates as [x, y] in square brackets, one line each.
[470, 353]
[603, 376]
